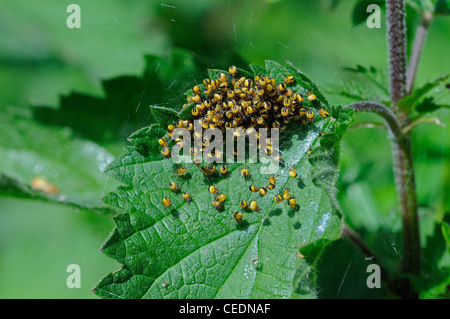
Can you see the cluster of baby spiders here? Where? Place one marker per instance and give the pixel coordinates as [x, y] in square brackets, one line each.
[235, 102]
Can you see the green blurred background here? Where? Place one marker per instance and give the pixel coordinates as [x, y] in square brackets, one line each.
[41, 60]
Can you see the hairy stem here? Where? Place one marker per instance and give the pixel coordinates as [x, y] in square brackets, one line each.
[395, 10]
[380, 109]
[405, 184]
[401, 145]
[396, 120]
[419, 40]
[404, 180]
[354, 238]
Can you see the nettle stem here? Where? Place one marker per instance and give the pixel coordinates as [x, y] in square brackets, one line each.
[396, 23]
[396, 121]
[401, 144]
[404, 180]
[419, 40]
[380, 109]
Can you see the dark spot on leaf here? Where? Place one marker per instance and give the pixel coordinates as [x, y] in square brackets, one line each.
[185, 176]
[291, 212]
[143, 149]
[267, 222]
[276, 212]
[301, 184]
[242, 225]
[297, 225]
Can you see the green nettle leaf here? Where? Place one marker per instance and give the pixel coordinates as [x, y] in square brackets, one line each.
[350, 90]
[126, 99]
[428, 105]
[164, 115]
[192, 249]
[376, 77]
[435, 277]
[31, 160]
[373, 88]
[214, 73]
[15, 188]
[185, 113]
[304, 282]
[147, 135]
[258, 70]
[408, 102]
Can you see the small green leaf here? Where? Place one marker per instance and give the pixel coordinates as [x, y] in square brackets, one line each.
[359, 69]
[435, 276]
[276, 70]
[408, 102]
[146, 139]
[164, 115]
[190, 92]
[427, 105]
[377, 77]
[243, 73]
[258, 70]
[312, 251]
[186, 112]
[213, 74]
[305, 279]
[351, 90]
[154, 130]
